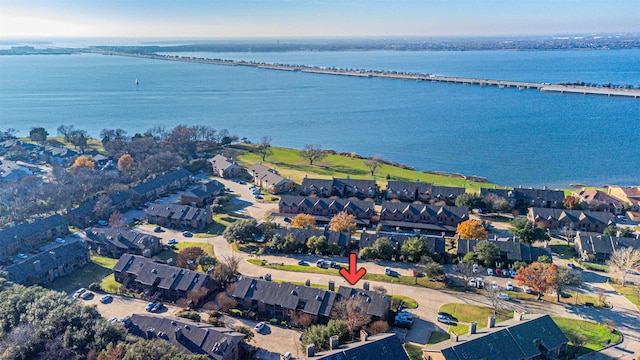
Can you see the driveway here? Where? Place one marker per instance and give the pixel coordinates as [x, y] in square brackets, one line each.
[272, 340]
[122, 306]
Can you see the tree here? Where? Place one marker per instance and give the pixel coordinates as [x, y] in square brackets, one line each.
[116, 220]
[65, 131]
[373, 163]
[367, 253]
[350, 311]
[465, 272]
[613, 230]
[84, 161]
[433, 270]
[189, 254]
[572, 203]
[8, 134]
[472, 229]
[226, 302]
[38, 134]
[577, 339]
[196, 296]
[564, 278]
[486, 252]
[226, 270]
[538, 276]
[622, 261]
[264, 147]
[110, 135]
[312, 153]
[249, 334]
[492, 294]
[303, 221]
[301, 319]
[527, 231]
[383, 248]
[79, 139]
[242, 230]
[413, 249]
[103, 207]
[157, 349]
[317, 244]
[469, 258]
[378, 327]
[471, 201]
[333, 248]
[125, 163]
[342, 222]
[544, 259]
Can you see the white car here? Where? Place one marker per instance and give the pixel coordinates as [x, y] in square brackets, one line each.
[472, 282]
[475, 268]
[490, 272]
[526, 289]
[503, 296]
[22, 256]
[509, 286]
[259, 326]
[494, 285]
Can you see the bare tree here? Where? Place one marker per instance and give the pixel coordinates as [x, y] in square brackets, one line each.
[66, 130]
[577, 340]
[492, 295]
[302, 319]
[312, 153]
[465, 272]
[226, 302]
[373, 163]
[349, 311]
[563, 279]
[264, 147]
[624, 260]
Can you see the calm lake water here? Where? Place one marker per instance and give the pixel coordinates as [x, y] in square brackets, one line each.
[511, 137]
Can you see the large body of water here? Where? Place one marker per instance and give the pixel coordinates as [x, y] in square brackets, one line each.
[511, 137]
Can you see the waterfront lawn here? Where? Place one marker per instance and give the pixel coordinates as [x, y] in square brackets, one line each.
[290, 164]
[596, 335]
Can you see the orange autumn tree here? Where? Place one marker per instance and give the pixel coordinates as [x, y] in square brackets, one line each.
[472, 229]
[342, 222]
[540, 277]
[303, 221]
[125, 163]
[84, 161]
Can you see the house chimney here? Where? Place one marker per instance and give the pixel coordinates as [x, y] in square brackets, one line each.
[492, 322]
[267, 277]
[472, 327]
[333, 342]
[37, 266]
[53, 255]
[179, 333]
[307, 282]
[517, 316]
[364, 336]
[103, 236]
[454, 337]
[332, 286]
[311, 350]
[365, 285]
[150, 333]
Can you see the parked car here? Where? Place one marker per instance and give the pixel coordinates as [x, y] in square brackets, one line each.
[444, 318]
[157, 229]
[403, 323]
[503, 296]
[512, 273]
[302, 262]
[172, 242]
[287, 220]
[258, 197]
[472, 282]
[509, 286]
[490, 272]
[404, 315]
[103, 222]
[60, 240]
[106, 298]
[479, 283]
[86, 295]
[157, 307]
[494, 285]
[333, 264]
[113, 319]
[320, 263]
[572, 266]
[259, 326]
[387, 271]
[526, 289]
[497, 272]
[187, 234]
[22, 256]
[475, 268]
[150, 306]
[79, 292]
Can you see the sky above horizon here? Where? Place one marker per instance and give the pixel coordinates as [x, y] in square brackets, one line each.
[292, 18]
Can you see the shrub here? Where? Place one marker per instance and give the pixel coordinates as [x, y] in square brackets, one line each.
[94, 287]
[283, 323]
[273, 321]
[191, 315]
[236, 312]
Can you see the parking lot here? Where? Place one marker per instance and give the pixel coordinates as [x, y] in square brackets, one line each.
[122, 306]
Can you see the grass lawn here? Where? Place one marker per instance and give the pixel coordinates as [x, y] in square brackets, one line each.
[596, 334]
[436, 337]
[469, 313]
[567, 251]
[414, 351]
[571, 300]
[289, 164]
[595, 267]
[95, 271]
[172, 252]
[630, 292]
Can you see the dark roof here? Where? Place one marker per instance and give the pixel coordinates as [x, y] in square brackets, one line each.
[59, 151]
[205, 190]
[338, 183]
[509, 340]
[435, 244]
[160, 181]
[604, 244]
[302, 235]
[267, 175]
[372, 302]
[513, 250]
[166, 277]
[575, 216]
[432, 210]
[197, 338]
[337, 204]
[120, 238]
[290, 296]
[28, 229]
[49, 260]
[118, 200]
[177, 211]
[526, 194]
[381, 346]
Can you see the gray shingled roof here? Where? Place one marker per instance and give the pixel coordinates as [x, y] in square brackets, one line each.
[432, 210]
[381, 346]
[28, 229]
[526, 194]
[197, 338]
[372, 302]
[338, 204]
[435, 244]
[177, 211]
[513, 250]
[148, 272]
[604, 244]
[509, 340]
[160, 181]
[120, 238]
[602, 217]
[302, 235]
[221, 162]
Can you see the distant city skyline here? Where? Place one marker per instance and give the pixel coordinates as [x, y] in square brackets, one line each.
[314, 18]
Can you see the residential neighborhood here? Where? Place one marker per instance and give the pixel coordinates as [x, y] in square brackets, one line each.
[234, 260]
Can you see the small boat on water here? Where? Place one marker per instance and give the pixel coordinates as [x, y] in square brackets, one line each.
[137, 82]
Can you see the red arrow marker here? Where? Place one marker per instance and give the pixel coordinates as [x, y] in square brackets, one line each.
[352, 276]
